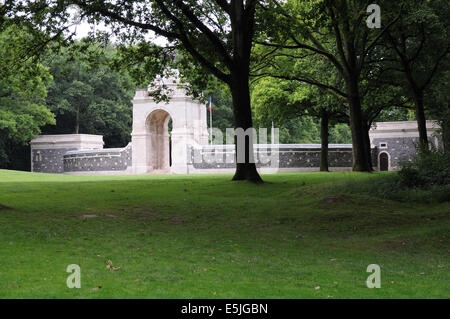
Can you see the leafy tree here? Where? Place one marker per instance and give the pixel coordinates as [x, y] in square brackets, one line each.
[22, 94]
[290, 99]
[218, 35]
[438, 104]
[419, 44]
[336, 31]
[88, 96]
[222, 109]
[340, 134]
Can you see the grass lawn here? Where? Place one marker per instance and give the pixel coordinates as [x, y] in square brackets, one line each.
[203, 236]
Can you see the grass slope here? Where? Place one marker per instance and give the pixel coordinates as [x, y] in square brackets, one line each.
[206, 237]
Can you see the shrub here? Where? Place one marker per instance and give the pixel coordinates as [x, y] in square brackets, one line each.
[426, 179]
[427, 169]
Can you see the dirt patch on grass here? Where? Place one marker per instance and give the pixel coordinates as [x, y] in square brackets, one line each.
[393, 244]
[4, 207]
[87, 216]
[336, 199]
[91, 216]
[149, 214]
[353, 200]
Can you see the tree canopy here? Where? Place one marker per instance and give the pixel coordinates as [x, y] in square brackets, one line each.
[23, 92]
[298, 63]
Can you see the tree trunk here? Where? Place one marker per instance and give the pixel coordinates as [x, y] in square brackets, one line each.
[421, 120]
[367, 147]
[324, 142]
[360, 159]
[242, 28]
[445, 130]
[77, 121]
[243, 119]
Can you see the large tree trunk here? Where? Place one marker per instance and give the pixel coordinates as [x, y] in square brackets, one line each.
[360, 158]
[243, 119]
[324, 142]
[242, 25]
[421, 120]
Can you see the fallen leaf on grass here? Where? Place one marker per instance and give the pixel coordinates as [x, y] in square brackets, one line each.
[58, 251]
[90, 216]
[110, 267]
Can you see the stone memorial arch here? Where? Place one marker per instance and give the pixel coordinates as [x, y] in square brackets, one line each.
[150, 136]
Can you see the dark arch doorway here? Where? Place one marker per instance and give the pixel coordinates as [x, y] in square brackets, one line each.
[160, 125]
[384, 162]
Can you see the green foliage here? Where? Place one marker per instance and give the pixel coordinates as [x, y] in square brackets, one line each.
[22, 93]
[295, 108]
[222, 109]
[426, 179]
[438, 103]
[393, 187]
[340, 134]
[427, 169]
[88, 96]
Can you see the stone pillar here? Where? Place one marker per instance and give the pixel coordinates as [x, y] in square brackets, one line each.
[140, 153]
[179, 151]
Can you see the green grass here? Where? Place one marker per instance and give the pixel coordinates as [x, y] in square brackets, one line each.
[206, 237]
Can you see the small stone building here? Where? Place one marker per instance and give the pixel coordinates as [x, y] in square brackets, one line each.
[47, 151]
[396, 142]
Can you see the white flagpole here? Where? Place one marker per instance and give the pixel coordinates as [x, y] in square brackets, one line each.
[272, 137]
[210, 120]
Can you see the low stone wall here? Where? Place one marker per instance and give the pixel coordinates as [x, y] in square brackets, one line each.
[104, 160]
[214, 158]
[281, 156]
[48, 160]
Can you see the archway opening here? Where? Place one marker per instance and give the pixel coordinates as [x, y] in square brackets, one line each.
[160, 126]
[384, 162]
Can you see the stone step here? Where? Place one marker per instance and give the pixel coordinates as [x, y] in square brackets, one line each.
[160, 171]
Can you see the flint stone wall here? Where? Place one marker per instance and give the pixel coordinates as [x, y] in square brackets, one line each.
[112, 159]
[49, 160]
[289, 156]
